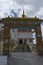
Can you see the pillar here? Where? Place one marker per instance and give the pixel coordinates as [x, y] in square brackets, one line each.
[39, 40]
[6, 40]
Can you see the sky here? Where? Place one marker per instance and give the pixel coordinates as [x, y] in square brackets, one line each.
[14, 8]
[32, 8]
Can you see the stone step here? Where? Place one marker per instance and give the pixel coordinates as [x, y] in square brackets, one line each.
[22, 48]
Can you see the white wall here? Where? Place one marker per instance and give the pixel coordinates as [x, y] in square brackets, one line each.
[23, 35]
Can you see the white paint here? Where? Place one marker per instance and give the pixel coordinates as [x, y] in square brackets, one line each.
[23, 35]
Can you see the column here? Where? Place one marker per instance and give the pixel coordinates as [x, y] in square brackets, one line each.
[39, 40]
[6, 40]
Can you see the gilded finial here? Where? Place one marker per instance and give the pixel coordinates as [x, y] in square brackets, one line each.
[23, 15]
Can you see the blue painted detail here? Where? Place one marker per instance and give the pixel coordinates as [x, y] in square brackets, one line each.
[23, 28]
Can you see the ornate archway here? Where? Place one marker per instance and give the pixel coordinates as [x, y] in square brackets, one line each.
[33, 23]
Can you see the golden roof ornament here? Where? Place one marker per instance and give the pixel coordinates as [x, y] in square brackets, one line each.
[23, 15]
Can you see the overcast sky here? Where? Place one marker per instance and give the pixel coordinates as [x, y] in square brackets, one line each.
[31, 7]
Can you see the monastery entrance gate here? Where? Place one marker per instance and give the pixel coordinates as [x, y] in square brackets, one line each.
[33, 23]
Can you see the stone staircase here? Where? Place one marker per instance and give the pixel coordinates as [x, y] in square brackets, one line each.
[22, 48]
